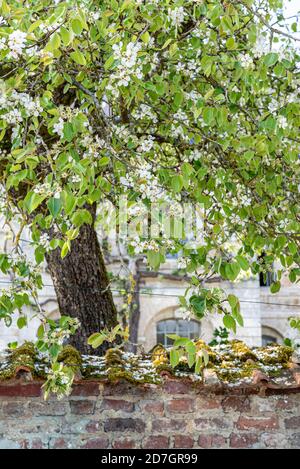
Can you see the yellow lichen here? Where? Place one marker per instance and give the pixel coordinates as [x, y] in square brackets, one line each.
[242, 351]
[159, 356]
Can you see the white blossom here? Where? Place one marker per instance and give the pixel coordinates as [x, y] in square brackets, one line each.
[16, 43]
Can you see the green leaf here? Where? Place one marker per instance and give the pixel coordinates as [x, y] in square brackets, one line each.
[40, 332]
[198, 304]
[54, 206]
[78, 57]
[229, 322]
[154, 259]
[231, 44]
[22, 322]
[191, 359]
[275, 287]
[177, 183]
[95, 340]
[109, 63]
[77, 26]
[198, 365]
[244, 264]
[270, 59]
[33, 200]
[65, 249]
[182, 341]
[232, 300]
[66, 35]
[82, 216]
[54, 350]
[174, 357]
[173, 336]
[69, 131]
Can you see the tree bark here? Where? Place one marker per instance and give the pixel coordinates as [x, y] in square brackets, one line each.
[135, 312]
[82, 287]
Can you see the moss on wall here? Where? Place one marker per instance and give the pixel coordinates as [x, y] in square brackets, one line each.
[231, 362]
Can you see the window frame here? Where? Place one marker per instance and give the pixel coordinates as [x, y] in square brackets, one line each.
[189, 332]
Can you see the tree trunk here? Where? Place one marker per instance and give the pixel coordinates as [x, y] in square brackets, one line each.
[82, 287]
[135, 312]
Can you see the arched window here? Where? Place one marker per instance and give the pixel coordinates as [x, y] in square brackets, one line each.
[270, 336]
[181, 327]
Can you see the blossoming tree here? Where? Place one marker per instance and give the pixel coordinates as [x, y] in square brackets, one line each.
[159, 100]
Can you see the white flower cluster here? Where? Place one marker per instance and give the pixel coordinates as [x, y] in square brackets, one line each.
[128, 63]
[145, 112]
[75, 179]
[194, 155]
[45, 241]
[177, 15]
[144, 182]
[190, 69]
[60, 335]
[58, 127]
[16, 43]
[93, 146]
[48, 190]
[182, 263]
[141, 246]
[282, 122]
[59, 381]
[246, 61]
[146, 144]
[19, 106]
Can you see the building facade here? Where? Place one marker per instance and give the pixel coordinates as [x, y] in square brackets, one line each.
[265, 315]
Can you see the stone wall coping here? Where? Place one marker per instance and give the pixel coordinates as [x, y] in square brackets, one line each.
[24, 386]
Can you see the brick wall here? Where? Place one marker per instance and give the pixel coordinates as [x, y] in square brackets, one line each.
[176, 415]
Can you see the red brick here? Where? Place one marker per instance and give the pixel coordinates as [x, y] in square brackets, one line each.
[95, 443]
[152, 407]
[93, 426]
[206, 403]
[36, 443]
[20, 390]
[211, 423]
[266, 423]
[243, 441]
[211, 441]
[286, 404]
[168, 425]
[180, 405]
[124, 444]
[48, 408]
[236, 403]
[292, 423]
[117, 404]
[156, 442]
[13, 409]
[58, 443]
[122, 388]
[123, 425]
[183, 441]
[86, 389]
[173, 386]
[82, 407]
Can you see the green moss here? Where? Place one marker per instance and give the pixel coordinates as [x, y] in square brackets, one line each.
[231, 362]
[200, 345]
[242, 351]
[25, 355]
[113, 357]
[70, 357]
[274, 354]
